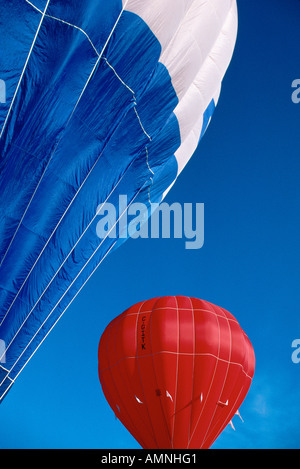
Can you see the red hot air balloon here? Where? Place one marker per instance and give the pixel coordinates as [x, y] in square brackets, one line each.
[175, 371]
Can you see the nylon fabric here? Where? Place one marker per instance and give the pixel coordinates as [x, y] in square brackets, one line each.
[175, 370]
[95, 109]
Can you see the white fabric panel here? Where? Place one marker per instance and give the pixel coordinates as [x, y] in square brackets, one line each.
[204, 88]
[192, 44]
[188, 147]
[217, 93]
[189, 109]
[186, 29]
[162, 16]
[197, 39]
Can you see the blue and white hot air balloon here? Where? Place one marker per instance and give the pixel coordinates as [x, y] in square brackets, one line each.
[102, 98]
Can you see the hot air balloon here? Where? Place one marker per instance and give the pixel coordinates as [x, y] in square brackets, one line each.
[103, 98]
[175, 371]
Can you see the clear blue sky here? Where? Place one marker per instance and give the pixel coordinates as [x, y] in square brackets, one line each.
[246, 172]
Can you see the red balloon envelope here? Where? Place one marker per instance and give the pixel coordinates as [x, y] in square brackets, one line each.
[175, 371]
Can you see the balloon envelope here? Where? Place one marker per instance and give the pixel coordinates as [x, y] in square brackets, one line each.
[102, 99]
[175, 371]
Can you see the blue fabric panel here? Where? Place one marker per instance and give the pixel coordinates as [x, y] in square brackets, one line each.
[76, 163]
[207, 117]
[16, 39]
[89, 123]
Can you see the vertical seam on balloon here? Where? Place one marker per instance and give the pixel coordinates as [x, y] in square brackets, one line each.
[24, 68]
[194, 351]
[138, 366]
[177, 366]
[65, 22]
[248, 351]
[68, 287]
[224, 425]
[156, 380]
[206, 436]
[245, 371]
[117, 325]
[104, 386]
[66, 125]
[219, 349]
[210, 387]
[115, 386]
[227, 419]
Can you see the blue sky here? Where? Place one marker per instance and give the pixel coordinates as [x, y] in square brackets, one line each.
[246, 172]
